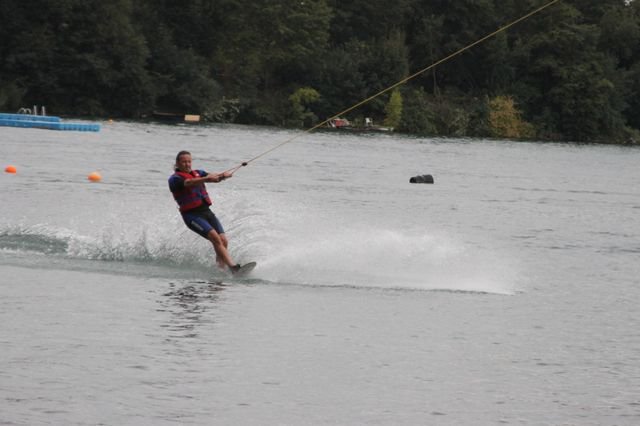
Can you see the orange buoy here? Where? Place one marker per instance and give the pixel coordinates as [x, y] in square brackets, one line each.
[11, 169]
[94, 177]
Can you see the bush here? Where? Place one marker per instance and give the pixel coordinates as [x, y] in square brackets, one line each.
[415, 114]
[393, 110]
[299, 113]
[505, 119]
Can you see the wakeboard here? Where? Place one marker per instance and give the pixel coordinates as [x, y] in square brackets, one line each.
[245, 269]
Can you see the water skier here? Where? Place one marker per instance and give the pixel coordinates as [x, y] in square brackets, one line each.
[189, 191]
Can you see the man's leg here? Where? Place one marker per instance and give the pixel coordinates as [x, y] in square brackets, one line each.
[220, 243]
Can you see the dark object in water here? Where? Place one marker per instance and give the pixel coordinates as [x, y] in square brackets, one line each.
[421, 179]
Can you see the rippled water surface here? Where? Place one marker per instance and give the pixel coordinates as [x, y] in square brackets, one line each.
[505, 293]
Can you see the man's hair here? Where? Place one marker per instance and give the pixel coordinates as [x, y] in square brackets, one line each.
[180, 154]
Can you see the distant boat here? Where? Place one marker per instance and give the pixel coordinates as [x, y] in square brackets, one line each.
[339, 123]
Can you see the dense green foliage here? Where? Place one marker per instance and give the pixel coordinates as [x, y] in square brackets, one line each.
[572, 71]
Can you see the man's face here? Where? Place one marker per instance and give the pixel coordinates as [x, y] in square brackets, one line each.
[184, 163]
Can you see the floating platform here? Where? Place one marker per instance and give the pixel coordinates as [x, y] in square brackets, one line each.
[48, 122]
[176, 118]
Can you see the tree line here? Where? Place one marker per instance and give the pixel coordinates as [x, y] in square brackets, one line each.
[571, 72]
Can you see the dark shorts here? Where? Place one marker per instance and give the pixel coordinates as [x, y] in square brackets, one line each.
[201, 222]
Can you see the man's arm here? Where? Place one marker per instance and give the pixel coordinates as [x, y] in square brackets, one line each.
[219, 177]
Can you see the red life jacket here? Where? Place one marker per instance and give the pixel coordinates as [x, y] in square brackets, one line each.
[193, 196]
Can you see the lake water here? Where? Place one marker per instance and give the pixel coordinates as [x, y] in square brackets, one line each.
[505, 293]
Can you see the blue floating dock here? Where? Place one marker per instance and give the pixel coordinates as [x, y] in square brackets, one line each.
[48, 122]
